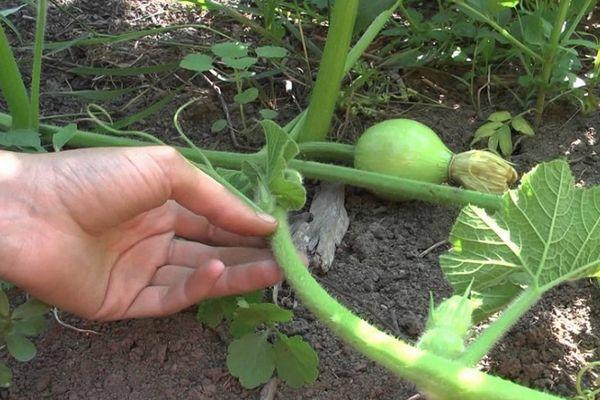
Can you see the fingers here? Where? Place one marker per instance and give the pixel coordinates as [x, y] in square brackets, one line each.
[175, 288]
[196, 227]
[239, 279]
[191, 254]
[189, 289]
[246, 278]
[202, 195]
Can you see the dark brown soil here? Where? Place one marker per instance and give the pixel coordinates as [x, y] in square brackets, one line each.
[378, 271]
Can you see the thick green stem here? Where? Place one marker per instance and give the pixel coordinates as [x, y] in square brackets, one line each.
[36, 72]
[296, 125]
[12, 86]
[439, 377]
[397, 187]
[506, 34]
[493, 333]
[391, 185]
[563, 8]
[329, 79]
[327, 151]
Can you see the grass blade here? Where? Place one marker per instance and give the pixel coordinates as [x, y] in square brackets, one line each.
[36, 73]
[102, 39]
[12, 86]
[146, 112]
[129, 71]
[96, 95]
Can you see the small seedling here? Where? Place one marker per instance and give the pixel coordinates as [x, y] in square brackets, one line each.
[259, 348]
[235, 56]
[499, 130]
[16, 326]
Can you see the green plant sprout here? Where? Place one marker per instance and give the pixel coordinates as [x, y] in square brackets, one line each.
[235, 55]
[16, 325]
[499, 130]
[548, 55]
[269, 349]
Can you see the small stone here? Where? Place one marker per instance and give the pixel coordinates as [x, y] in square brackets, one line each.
[209, 388]
[59, 389]
[161, 353]
[378, 231]
[42, 383]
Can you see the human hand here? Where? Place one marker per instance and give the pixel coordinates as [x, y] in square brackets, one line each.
[94, 232]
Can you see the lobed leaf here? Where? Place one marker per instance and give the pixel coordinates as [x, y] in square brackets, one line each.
[547, 232]
[246, 320]
[284, 184]
[296, 361]
[251, 359]
[212, 311]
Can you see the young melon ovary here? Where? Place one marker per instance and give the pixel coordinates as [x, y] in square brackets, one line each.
[403, 148]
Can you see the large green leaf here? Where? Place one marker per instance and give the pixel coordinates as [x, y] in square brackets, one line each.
[547, 232]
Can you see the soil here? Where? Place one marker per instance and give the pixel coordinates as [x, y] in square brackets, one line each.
[379, 270]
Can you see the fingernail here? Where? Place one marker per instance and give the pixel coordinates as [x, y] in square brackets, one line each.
[267, 218]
